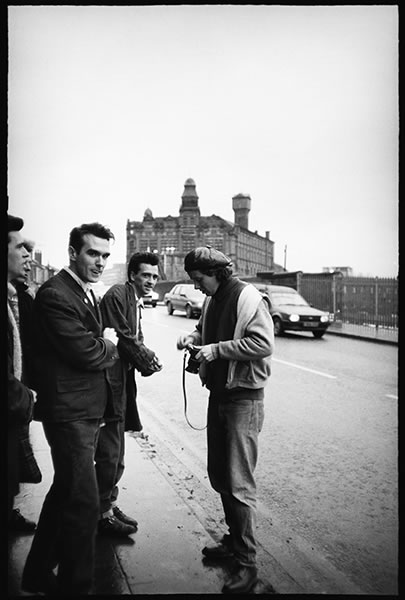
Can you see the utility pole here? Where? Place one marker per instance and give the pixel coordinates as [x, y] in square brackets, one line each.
[285, 257]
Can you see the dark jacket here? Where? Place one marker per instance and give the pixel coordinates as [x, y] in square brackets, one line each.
[72, 356]
[119, 310]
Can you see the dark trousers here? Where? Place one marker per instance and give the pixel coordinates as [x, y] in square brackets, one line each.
[110, 462]
[67, 525]
[233, 429]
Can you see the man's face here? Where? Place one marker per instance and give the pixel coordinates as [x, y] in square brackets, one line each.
[19, 259]
[208, 284]
[145, 280]
[89, 263]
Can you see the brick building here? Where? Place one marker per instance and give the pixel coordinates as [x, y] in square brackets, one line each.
[173, 237]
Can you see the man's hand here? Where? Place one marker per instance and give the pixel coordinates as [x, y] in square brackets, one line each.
[110, 334]
[207, 353]
[184, 341]
[154, 367]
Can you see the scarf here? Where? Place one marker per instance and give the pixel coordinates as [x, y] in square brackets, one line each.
[17, 353]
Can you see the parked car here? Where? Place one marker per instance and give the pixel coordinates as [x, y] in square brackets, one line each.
[290, 311]
[151, 299]
[184, 297]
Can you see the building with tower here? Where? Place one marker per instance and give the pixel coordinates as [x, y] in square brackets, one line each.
[173, 237]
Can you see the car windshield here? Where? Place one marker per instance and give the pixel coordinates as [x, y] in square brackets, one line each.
[288, 299]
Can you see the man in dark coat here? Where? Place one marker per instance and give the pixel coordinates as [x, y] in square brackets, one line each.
[29, 471]
[121, 310]
[73, 353]
[20, 397]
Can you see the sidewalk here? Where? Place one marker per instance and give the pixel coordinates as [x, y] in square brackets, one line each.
[163, 557]
[365, 332]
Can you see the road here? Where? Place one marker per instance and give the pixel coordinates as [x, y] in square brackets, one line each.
[327, 472]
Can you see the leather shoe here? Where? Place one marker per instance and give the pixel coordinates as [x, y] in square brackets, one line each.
[117, 512]
[111, 526]
[20, 523]
[219, 551]
[241, 581]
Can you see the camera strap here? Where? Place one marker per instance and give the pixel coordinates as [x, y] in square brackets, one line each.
[185, 396]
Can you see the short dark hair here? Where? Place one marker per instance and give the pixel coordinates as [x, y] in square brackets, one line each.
[149, 258]
[76, 235]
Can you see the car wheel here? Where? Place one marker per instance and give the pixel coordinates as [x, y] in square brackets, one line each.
[278, 326]
[169, 307]
[189, 312]
[153, 304]
[318, 334]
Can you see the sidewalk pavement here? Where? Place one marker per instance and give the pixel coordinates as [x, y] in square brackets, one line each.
[162, 557]
[365, 332]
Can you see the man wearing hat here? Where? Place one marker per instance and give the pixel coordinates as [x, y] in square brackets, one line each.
[20, 397]
[235, 340]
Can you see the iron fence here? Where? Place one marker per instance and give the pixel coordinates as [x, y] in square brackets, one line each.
[365, 301]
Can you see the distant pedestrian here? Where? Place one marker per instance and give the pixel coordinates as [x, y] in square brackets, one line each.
[20, 396]
[235, 340]
[121, 308]
[72, 355]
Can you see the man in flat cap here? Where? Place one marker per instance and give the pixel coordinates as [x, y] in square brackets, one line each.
[235, 340]
[20, 397]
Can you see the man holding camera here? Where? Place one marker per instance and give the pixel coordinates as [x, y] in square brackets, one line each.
[234, 340]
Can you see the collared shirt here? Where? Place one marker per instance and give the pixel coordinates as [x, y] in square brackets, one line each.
[86, 287]
[139, 306]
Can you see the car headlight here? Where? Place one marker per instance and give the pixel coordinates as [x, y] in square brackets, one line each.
[324, 319]
[294, 318]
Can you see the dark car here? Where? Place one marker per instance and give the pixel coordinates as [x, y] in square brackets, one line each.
[184, 297]
[291, 312]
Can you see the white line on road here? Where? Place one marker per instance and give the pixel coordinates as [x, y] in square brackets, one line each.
[284, 362]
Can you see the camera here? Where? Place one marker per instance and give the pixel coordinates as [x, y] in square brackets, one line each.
[193, 365]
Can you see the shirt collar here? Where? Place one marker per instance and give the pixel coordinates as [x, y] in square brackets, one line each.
[11, 290]
[86, 287]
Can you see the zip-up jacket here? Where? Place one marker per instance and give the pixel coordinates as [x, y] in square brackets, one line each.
[249, 352]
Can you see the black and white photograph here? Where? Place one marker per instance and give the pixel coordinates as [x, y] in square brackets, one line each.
[203, 321]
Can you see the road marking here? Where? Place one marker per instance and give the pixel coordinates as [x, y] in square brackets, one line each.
[284, 362]
[391, 396]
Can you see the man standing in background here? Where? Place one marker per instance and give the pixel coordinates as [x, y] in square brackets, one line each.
[121, 309]
[29, 471]
[21, 398]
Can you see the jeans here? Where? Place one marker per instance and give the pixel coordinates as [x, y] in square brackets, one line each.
[67, 525]
[233, 428]
[110, 462]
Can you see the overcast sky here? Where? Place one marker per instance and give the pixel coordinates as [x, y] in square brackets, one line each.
[112, 108]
